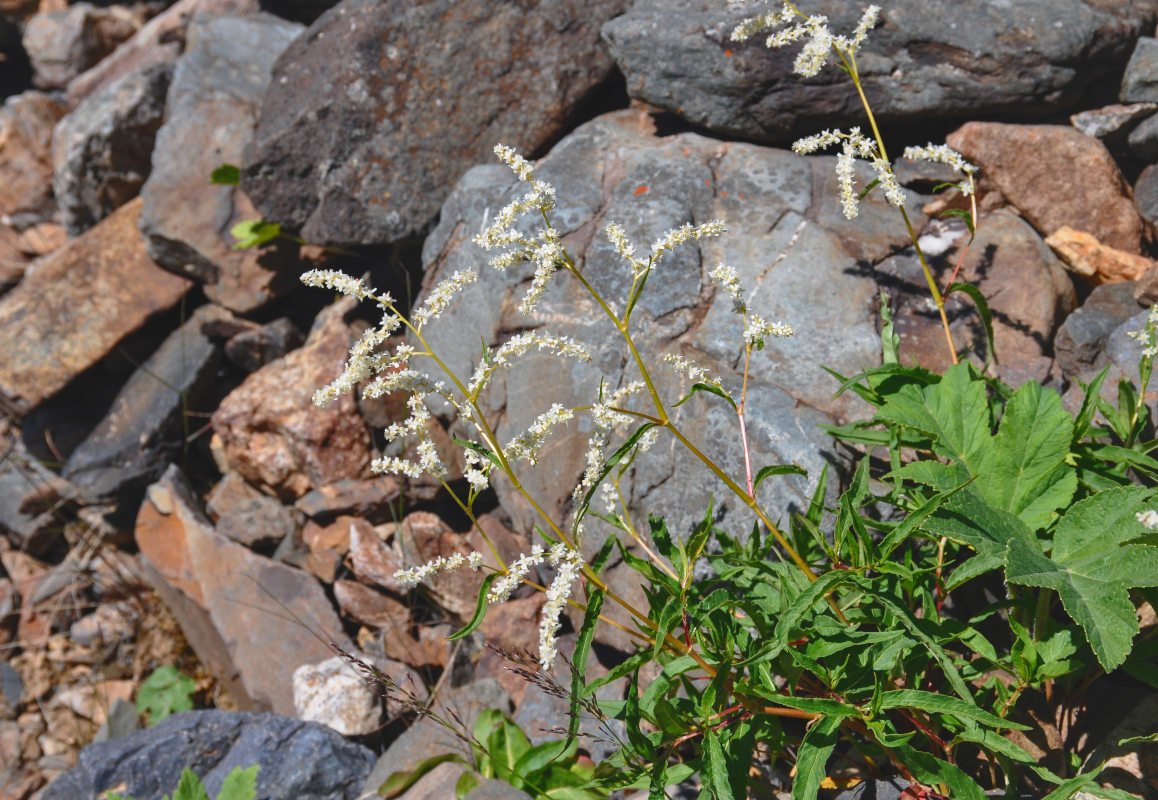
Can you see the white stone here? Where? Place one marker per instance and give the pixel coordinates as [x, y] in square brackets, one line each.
[334, 694]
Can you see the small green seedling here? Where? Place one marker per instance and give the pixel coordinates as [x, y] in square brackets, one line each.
[165, 692]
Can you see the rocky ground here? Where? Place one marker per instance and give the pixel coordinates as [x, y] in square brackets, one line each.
[169, 494]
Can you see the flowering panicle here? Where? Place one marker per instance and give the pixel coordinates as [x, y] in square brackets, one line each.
[528, 443]
[1148, 336]
[440, 297]
[684, 233]
[416, 575]
[689, 370]
[339, 281]
[605, 421]
[521, 343]
[814, 54]
[1148, 519]
[476, 470]
[854, 145]
[943, 154]
[544, 250]
[618, 238]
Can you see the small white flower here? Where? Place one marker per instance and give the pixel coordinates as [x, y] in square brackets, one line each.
[339, 281]
[501, 589]
[441, 295]
[941, 154]
[569, 564]
[684, 233]
[689, 370]
[416, 575]
[758, 329]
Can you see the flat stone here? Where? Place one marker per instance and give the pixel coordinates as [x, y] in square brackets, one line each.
[253, 349]
[370, 558]
[423, 537]
[1143, 140]
[302, 760]
[209, 116]
[1140, 83]
[240, 611]
[272, 434]
[76, 306]
[372, 163]
[62, 44]
[259, 522]
[1112, 122]
[1085, 256]
[101, 149]
[142, 431]
[372, 499]
[1056, 177]
[26, 123]
[1080, 341]
[29, 525]
[161, 40]
[229, 494]
[926, 59]
[1146, 193]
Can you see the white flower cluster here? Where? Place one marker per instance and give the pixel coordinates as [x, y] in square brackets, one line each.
[669, 241]
[416, 575]
[854, 145]
[1148, 336]
[544, 250]
[1148, 518]
[943, 154]
[517, 345]
[568, 562]
[341, 282]
[756, 329]
[527, 444]
[726, 276]
[689, 370]
[605, 421]
[814, 54]
[441, 295]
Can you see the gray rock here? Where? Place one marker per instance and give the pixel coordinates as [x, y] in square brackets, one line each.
[335, 694]
[253, 349]
[302, 760]
[427, 738]
[123, 719]
[1111, 123]
[102, 149]
[63, 44]
[141, 432]
[944, 58]
[1140, 83]
[868, 790]
[1080, 340]
[426, 90]
[30, 526]
[211, 106]
[614, 168]
[1143, 140]
[1146, 191]
[259, 521]
[490, 789]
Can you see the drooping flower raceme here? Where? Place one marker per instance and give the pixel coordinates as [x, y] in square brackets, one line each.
[854, 145]
[943, 154]
[814, 54]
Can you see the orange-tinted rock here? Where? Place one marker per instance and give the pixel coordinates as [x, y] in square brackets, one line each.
[422, 537]
[1055, 176]
[77, 304]
[328, 545]
[1084, 255]
[26, 123]
[370, 558]
[251, 620]
[271, 433]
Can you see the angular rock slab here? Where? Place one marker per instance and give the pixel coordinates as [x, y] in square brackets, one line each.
[799, 260]
[64, 43]
[141, 432]
[101, 150]
[212, 103]
[927, 58]
[362, 149]
[1055, 176]
[251, 620]
[77, 304]
[26, 123]
[269, 431]
[302, 760]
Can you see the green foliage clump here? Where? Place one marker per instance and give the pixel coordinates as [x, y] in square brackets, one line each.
[166, 691]
[239, 784]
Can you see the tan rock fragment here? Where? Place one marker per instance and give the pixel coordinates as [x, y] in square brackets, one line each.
[1084, 255]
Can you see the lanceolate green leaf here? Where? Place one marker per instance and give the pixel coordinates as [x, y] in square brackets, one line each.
[944, 704]
[931, 770]
[480, 610]
[1092, 568]
[812, 757]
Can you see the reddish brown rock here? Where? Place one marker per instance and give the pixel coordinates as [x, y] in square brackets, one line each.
[159, 41]
[13, 262]
[1055, 176]
[1084, 255]
[513, 626]
[62, 44]
[269, 431]
[427, 647]
[370, 558]
[328, 545]
[26, 123]
[251, 620]
[77, 305]
[373, 500]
